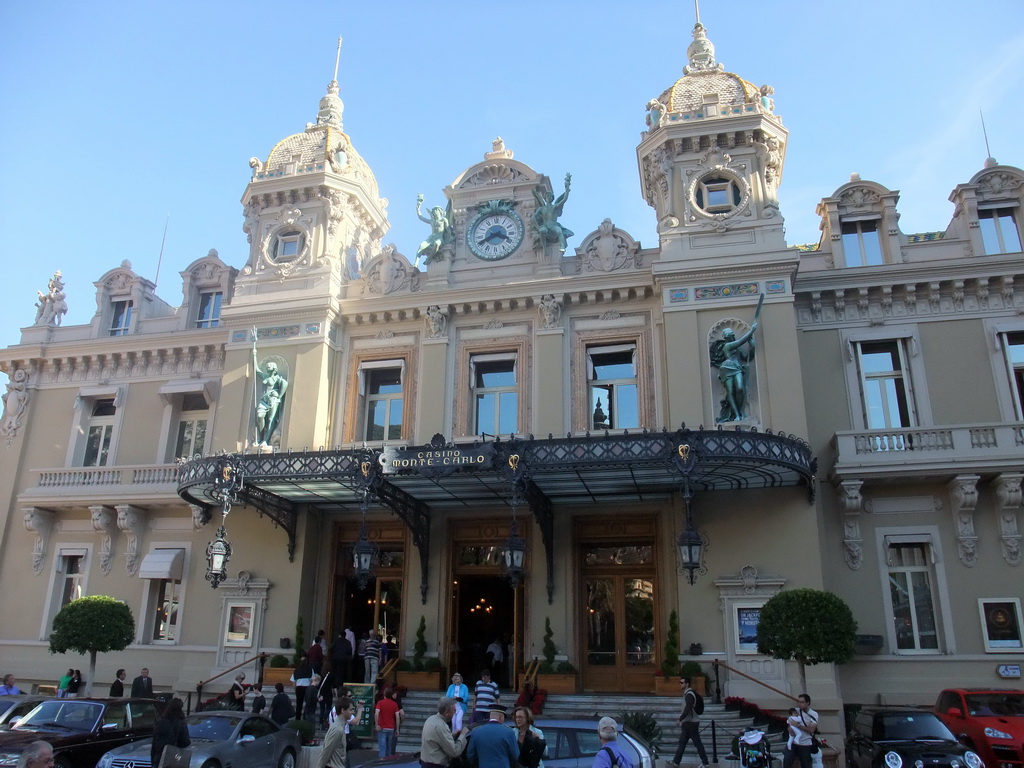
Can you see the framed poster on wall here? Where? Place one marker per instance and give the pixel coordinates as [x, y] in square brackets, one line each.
[1001, 624]
[747, 618]
[239, 627]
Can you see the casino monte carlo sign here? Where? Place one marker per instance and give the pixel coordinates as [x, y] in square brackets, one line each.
[430, 459]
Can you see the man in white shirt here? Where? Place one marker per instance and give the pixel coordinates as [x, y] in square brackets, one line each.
[806, 724]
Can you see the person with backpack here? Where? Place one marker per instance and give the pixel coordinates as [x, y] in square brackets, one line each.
[610, 755]
[689, 720]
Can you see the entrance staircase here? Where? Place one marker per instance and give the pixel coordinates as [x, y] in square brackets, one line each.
[419, 705]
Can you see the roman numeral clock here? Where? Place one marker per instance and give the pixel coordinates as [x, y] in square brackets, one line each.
[495, 232]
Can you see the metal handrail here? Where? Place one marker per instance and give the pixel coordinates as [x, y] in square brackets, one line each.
[261, 658]
[530, 673]
[718, 688]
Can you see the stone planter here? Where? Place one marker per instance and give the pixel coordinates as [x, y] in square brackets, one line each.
[421, 681]
[556, 683]
[273, 675]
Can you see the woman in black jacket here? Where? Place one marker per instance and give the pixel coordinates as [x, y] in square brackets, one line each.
[170, 730]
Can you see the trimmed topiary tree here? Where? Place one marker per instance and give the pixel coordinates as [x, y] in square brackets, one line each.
[549, 650]
[670, 662]
[808, 626]
[419, 648]
[93, 624]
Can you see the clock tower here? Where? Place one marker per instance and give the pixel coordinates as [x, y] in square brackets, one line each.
[504, 217]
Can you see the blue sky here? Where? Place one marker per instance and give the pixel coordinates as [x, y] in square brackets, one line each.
[118, 114]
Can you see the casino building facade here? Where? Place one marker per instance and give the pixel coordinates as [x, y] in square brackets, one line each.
[379, 433]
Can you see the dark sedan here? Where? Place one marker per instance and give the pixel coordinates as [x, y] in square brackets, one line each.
[80, 730]
[891, 737]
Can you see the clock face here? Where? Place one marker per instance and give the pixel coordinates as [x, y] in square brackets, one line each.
[494, 236]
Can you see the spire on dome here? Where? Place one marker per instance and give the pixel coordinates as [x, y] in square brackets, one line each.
[331, 105]
[701, 52]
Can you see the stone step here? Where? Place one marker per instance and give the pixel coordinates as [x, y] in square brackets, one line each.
[419, 705]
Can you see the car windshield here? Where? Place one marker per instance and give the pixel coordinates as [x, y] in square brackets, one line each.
[211, 728]
[910, 726]
[1006, 704]
[64, 714]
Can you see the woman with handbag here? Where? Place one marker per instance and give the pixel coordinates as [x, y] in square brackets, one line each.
[170, 731]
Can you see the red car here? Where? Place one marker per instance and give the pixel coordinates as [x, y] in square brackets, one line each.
[989, 720]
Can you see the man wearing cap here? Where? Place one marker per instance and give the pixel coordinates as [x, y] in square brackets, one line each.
[610, 755]
[493, 745]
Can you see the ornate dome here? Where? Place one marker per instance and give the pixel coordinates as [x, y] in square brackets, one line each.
[704, 76]
[323, 146]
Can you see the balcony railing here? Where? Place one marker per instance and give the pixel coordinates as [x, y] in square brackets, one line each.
[929, 450]
[114, 482]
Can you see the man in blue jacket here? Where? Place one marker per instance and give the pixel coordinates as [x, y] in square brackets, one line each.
[491, 744]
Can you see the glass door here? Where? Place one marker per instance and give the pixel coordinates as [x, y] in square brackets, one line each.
[618, 626]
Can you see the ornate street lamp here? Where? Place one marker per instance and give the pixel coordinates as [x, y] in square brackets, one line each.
[690, 542]
[227, 484]
[218, 552]
[513, 555]
[691, 547]
[364, 555]
[364, 551]
[513, 549]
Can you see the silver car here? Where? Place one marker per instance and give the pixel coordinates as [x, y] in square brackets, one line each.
[221, 738]
[571, 743]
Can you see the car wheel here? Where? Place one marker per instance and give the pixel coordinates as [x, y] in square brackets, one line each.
[211, 764]
[287, 759]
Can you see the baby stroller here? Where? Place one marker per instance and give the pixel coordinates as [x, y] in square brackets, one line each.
[755, 751]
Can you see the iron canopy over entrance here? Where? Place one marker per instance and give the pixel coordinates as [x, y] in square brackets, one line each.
[545, 474]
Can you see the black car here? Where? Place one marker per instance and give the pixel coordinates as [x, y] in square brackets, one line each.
[891, 737]
[80, 730]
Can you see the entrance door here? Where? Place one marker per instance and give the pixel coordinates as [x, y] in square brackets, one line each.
[485, 611]
[618, 622]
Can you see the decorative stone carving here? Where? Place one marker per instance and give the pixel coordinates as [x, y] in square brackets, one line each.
[52, 307]
[655, 113]
[998, 184]
[132, 521]
[608, 250]
[493, 173]
[701, 53]
[498, 151]
[104, 522]
[16, 400]
[769, 154]
[859, 198]
[1008, 493]
[40, 522]
[437, 321]
[550, 311]
[963, 493]
[747, 583]
[200, 516]
[389, 273]
[852, 503]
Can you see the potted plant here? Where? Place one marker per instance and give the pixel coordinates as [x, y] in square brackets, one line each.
[698, 681]
[278, 670]
[421, 674]
[555, 677]
[666, 681]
